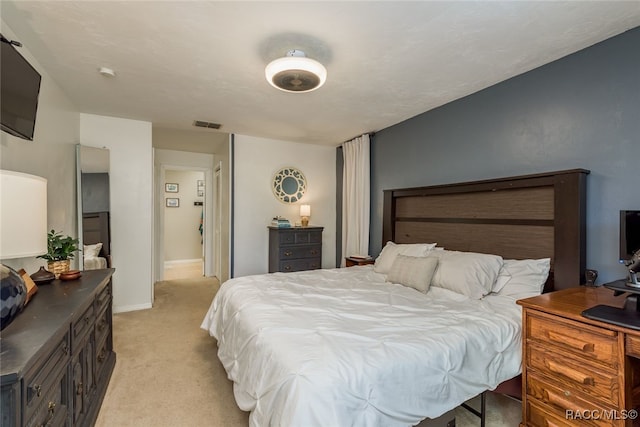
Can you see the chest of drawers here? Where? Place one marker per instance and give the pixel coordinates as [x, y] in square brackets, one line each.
[295, 249]
[577, 371]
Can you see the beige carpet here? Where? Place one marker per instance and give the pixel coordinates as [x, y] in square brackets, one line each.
[167, 372]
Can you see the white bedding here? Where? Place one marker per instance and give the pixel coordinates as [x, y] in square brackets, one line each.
[94, 263]
[341, 347]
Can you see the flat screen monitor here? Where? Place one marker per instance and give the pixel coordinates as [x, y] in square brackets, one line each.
[629, 234]
[19, 89]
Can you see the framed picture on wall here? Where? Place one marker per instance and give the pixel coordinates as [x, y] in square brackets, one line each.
[173, 202]
[171, 187]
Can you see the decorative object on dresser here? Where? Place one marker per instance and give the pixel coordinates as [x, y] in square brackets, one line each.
[352, 260]
[23, 233]
[289, 185]
[60, 251]
[305, 213]
[57, 358]
[295, 249]
[574, 366]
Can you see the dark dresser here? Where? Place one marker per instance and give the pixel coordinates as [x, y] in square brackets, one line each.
[295, 248]
[57, 355]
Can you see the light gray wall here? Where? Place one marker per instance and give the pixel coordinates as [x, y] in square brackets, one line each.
[182, 239]
[582, 111]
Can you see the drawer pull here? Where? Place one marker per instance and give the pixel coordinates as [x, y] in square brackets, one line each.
[570, 373]
[65, 348]
[314, 252]
[101, 357]
[101, 325]
[558, 400]
[79, 388]
[37, 389]
[288, 253]
[52, 410]
[571, 342]
[287, 267]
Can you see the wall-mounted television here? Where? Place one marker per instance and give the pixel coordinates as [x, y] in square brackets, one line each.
[629, 234]
[19, 89]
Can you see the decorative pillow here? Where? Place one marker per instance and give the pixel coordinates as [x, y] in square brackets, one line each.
[415, 272]
[92, 250]
[526, 277]
[467, 273]
[391, 250]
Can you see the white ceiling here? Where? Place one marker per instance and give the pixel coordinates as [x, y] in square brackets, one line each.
[181, 61]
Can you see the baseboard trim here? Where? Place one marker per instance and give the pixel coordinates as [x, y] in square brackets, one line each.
[126, 308]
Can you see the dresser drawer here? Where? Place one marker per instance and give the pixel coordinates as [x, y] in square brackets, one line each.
[300, 265]
[52, 407]
[103, 298]
[294, 252]
[81, 326]
[41, 383]
[575, 338]
[539, 415]
[573, 374]
[102, 324]
[562, 400]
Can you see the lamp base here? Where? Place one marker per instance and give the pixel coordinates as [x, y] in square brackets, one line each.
[304, 221]
[13, 294]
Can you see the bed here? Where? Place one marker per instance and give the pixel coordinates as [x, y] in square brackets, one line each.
[339, 347]
[96, 241]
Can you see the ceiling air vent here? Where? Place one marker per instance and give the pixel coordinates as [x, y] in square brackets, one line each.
[203, 124]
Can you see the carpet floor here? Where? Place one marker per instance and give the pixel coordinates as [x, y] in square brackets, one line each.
[167, 372]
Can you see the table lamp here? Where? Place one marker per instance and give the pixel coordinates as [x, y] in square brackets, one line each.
[305, 213]
[23, 233]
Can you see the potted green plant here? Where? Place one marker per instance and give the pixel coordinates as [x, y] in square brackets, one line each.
[60, 251]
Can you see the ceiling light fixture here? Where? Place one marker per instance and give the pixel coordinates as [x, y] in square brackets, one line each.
[107, 72]
[296, 73]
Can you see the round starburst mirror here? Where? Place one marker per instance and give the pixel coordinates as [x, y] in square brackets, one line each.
[289, 185]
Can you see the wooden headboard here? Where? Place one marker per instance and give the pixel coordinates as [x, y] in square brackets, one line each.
[530, 216]
[95, 229]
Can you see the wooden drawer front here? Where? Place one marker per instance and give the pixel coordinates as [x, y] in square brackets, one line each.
[574, 338]
[632, 345]
[103, 298]
[299, 252]
[562, 400]
[300, 265]
[102, 325]
[52, 407]
[539, 416]
[81, 326]
[41, 382]
[102, 354]
[574, 375]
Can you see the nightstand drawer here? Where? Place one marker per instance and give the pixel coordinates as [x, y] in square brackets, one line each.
[574, 338]
[543, 416]
[561, 400]
[573, 374]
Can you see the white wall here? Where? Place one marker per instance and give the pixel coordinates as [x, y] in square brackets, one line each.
[131, 186]
[51, 154]
[182, 239]
[256, 160]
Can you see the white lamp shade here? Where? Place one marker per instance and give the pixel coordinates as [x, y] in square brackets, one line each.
[305, 210]
[23, 215]
[296, 73]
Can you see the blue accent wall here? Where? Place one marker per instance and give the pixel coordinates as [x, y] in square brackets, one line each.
[581, 111]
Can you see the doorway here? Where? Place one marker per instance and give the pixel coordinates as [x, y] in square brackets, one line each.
[183, 225]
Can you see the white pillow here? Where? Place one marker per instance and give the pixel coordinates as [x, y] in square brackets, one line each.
[91, 251]
[526, 277]
[467, 273]
[391, 250]
[415, 272]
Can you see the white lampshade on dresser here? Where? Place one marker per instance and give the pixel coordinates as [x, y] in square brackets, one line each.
[23, 233]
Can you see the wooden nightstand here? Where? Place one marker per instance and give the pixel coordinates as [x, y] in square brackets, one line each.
[350, 262]
[574, 367]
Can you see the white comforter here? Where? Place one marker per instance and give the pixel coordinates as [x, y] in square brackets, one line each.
[343, 348]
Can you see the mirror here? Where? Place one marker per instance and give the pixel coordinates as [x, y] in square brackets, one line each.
[289, 185]
[94, 225]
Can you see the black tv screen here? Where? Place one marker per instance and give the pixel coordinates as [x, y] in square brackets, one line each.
[629, 234]
[20, 86]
